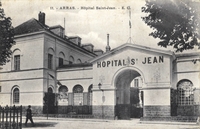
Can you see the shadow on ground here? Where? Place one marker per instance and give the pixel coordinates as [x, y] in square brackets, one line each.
[40, 124]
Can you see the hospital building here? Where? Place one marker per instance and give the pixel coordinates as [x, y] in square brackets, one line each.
[56, 73]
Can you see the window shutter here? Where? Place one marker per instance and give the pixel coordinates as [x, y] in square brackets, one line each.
[71, 99]
[85, 98]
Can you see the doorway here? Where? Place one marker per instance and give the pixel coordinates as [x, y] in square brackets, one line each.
[129, 96]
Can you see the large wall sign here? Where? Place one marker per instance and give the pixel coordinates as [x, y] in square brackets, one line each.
[130, 61]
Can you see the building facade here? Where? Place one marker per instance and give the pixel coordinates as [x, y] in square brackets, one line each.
[128, 81]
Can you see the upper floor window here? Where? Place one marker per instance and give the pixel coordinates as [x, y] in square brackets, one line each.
[79, 61]
[60, 61]
[185, 93]
[50, 61]
[61, 58]
[17, 62]
[71, 60]
[16, 95]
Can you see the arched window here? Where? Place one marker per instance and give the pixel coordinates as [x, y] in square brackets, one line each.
[63, 92]
[79, 61]
[16, 96]
[16, 59]
[185, 92]
[50, 90]
[50, 58]
[78, 95]
[90, 95]
[71, 60]
[61, 59]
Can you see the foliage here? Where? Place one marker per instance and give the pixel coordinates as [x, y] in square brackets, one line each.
[6, 37]
[175, 22]
[49, 103]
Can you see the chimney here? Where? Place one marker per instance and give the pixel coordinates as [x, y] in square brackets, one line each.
[41, 18]
[107, 47]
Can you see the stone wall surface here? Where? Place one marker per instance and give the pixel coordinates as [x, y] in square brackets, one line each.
[188, 110]
[158, 111]
[103, 112]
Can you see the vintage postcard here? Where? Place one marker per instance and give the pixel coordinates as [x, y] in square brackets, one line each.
[100, 64]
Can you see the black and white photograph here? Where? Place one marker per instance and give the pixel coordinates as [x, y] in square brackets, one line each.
[103, 64]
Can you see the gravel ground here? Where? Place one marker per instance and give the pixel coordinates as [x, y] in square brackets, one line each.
[66, 123]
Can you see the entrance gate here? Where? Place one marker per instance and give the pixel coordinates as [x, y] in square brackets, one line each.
[128, 97]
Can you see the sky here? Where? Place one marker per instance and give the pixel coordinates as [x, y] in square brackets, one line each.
[92, 25]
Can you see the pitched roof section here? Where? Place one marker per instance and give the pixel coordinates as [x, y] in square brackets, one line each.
[29, 26]
[34, 25]
[132, 46]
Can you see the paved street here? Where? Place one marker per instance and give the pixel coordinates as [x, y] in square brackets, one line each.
[68, 123]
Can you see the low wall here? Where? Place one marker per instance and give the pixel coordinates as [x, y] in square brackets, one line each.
[156, 111]
[188, 110]
[103, 111]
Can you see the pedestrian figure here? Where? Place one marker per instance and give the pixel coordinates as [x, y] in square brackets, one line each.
[29, 115]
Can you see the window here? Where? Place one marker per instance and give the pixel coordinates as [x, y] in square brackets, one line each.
[185, 93]
[17, 62]
[90, 95]
[16, 96]
[60, 61]
[50, 61]
[71, 60]
[78, 95]
[136, 83]
[50, 90]
[79, 61]
[63, 92]
[79, 43]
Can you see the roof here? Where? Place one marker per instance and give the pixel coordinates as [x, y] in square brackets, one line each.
[87, 44]
[73, 37]
[29, 26]
[188, 54]
[56, 26]
[130, 45]
[98, 50]
[33, 25]
[75, 65]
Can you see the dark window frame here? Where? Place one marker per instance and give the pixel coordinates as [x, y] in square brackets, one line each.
[60, 61]
[16, 96]
[17, 62]
[185, 92]
[78, 95]
[50, 61]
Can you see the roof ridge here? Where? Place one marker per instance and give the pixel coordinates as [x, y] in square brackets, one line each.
[25, 22]
[31, 25]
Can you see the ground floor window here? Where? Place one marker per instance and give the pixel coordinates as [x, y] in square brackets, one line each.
[78, 95]
[50, 90]
[90, 95]
[185, 92]
[16, 96]
[63, 93]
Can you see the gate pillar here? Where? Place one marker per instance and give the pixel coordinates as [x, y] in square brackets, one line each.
[157, 101]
